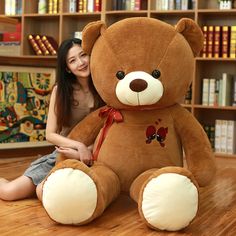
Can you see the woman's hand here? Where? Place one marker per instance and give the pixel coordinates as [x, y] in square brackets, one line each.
[82, 153]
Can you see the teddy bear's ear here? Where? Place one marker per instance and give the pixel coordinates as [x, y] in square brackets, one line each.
[192, 33]
[90, 34]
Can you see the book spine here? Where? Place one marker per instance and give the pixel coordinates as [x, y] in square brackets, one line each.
[55, 7]
[226, 89]
[205, 44]
[217, 41]
[41, 45]
[217, 91]
[225, 41]
[34, 45]
[137, 6]
[210, 41]
[217, 135]
[233, 42]
[72, 6]
[90, 4]
[85, 6]
[212, 91]
[205, 92]
[80, 6]
[50, 6]
[49, 46]
[98, 5]
[234, 91]
[231, 136]
[223, 136]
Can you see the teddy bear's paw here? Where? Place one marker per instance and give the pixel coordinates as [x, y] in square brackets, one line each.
[169, 202]
[69, 196]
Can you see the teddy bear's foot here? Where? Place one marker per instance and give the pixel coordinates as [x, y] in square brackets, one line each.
[76, 194]
[168, 198]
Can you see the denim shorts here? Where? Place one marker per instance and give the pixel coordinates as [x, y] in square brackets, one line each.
[39, 168]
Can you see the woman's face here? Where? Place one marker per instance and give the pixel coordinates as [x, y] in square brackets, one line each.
[78, 62]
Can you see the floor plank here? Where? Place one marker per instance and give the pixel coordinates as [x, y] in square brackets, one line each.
[217, 213]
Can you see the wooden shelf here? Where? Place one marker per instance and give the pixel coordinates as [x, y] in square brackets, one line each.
[10, 146]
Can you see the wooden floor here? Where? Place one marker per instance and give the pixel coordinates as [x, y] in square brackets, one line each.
[217, 215]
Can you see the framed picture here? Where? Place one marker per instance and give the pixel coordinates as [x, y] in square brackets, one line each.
[24, 101]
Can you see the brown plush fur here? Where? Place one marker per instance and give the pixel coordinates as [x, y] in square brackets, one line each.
[144, 44]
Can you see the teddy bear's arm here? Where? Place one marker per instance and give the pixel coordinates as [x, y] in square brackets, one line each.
[197, 148]
[86, 130]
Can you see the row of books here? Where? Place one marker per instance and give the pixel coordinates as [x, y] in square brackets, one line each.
[13, 7]
[219, 92]
[220, 41]
[84, 6]
[222, 136]
[225, 136]
[129, 5]
[175, 4]
[43, 45]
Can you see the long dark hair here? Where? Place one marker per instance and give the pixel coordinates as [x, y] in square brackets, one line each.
[64, 82]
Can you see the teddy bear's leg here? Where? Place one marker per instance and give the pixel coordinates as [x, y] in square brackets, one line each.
[76, 194]
[167, 198]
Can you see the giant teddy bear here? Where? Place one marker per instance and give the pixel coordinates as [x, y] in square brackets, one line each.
[142, 68]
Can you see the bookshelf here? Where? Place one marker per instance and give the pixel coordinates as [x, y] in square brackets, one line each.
[63, 24]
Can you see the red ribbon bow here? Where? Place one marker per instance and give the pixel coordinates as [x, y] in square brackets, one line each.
[112, 115]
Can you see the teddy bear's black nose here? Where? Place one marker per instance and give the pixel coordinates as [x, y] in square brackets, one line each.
[138, 85]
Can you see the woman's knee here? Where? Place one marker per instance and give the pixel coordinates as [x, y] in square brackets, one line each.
[39, 190]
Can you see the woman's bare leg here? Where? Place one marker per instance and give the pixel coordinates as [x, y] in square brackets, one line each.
[19, 188]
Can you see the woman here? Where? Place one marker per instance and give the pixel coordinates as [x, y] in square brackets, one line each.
[72, 98]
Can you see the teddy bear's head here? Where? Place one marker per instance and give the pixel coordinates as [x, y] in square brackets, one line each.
[142, 63]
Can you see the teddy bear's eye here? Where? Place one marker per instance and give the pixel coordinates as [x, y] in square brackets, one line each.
[156, 74]
[120, 75]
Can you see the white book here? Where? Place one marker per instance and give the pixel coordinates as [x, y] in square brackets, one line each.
[223, 136]
[90, 5]
[72, 6]
[231, 136]
[205, 91]
[226, 89]
[212, 87]
[217, 135]
[184, 4]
